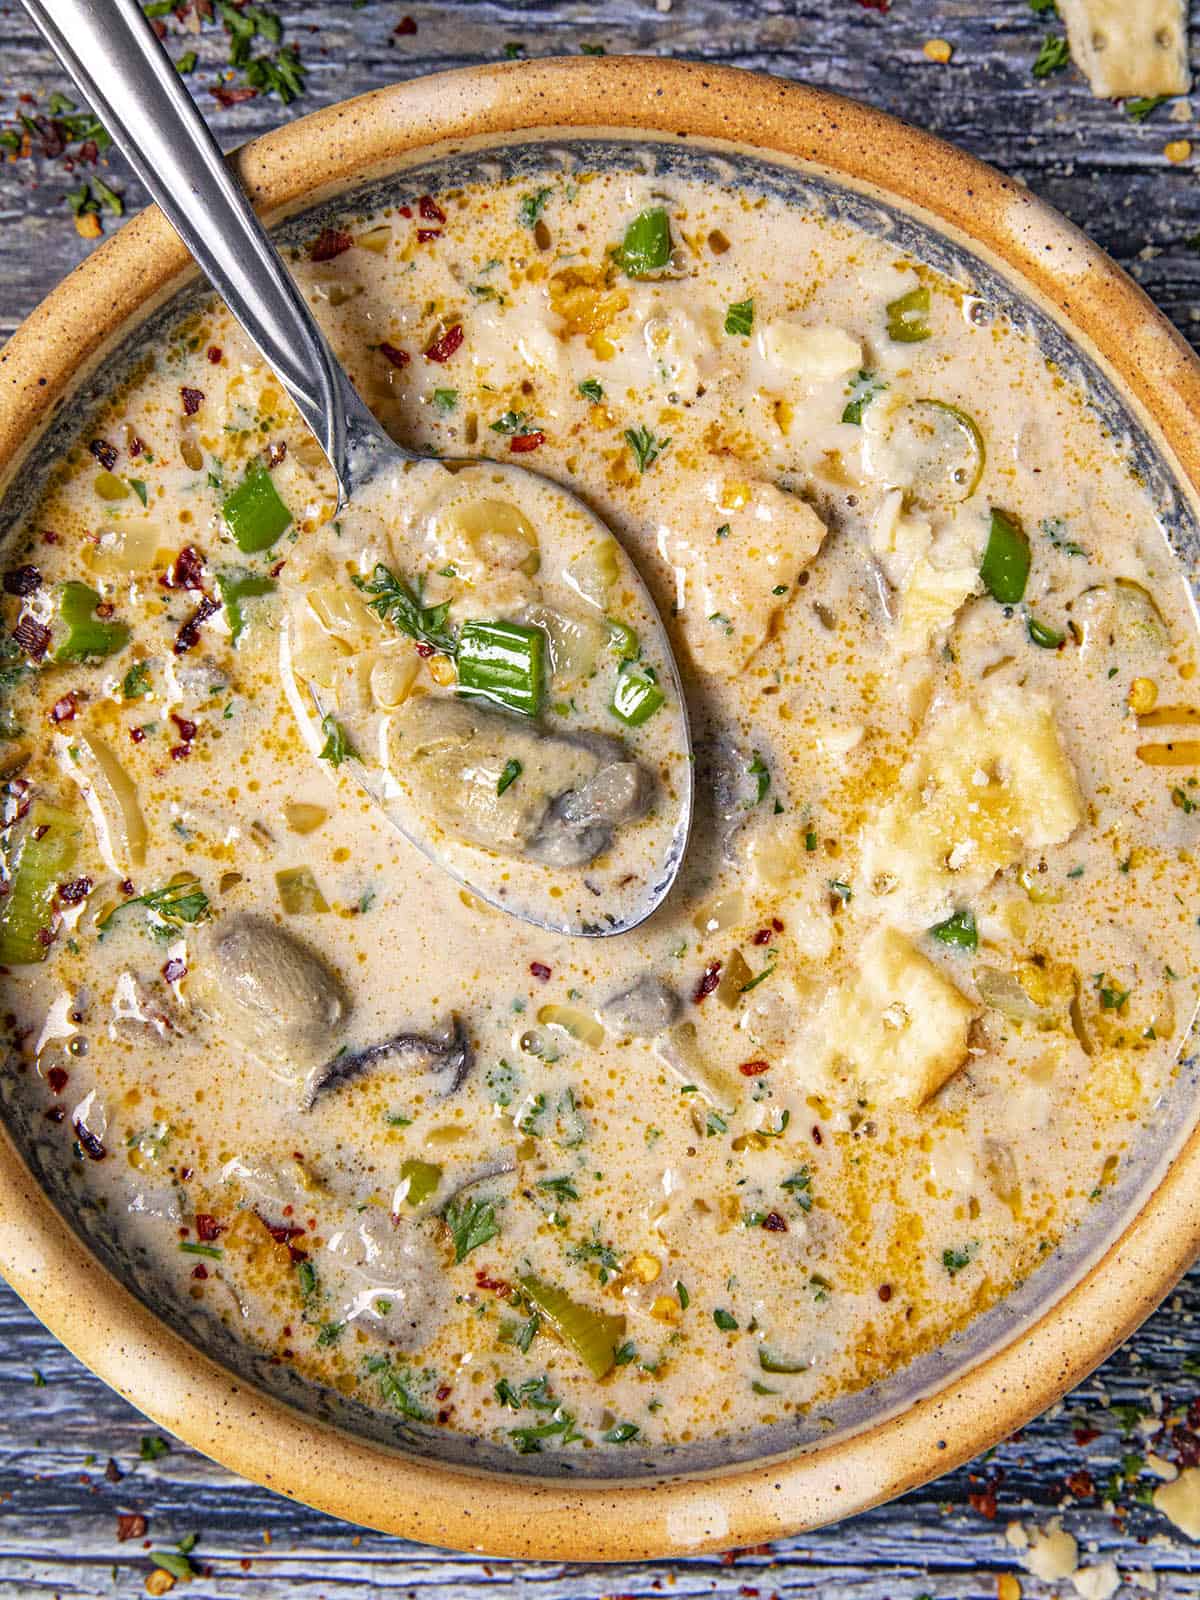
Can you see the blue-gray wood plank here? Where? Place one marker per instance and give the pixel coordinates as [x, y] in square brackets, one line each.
[58, 1509]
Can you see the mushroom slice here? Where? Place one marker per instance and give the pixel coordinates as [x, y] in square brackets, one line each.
[447, 1056]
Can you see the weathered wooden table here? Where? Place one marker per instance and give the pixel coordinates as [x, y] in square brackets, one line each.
[70, 1449]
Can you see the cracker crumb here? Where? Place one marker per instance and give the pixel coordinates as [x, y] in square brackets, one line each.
[1177, 150]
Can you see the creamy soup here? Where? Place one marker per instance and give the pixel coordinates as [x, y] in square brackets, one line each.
[933, 951]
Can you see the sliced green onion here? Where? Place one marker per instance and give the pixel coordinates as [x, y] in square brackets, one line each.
[38, 860]
[591, 1335]
[864, 388]
[636, 695]
[1043, 636]
[908, 317]
[504, 662]
[646, 247]
[254, 513]
[771, 1361]
[236, 585]
[622, 640]
[958, 931]
[1006, 561]
[512, 771]
[85, 636]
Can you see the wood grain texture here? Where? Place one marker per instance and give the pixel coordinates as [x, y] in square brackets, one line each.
[58, 1509]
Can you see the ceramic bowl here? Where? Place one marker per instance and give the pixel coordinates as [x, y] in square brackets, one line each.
[994, 238]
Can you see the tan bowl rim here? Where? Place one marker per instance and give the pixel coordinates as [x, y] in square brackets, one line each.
[262, 1438]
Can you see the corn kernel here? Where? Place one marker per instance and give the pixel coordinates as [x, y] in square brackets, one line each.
[939, 50]
[1143, 692]
[1008, 1587]
[1177, 150]
[87, 226]
[441, 670]
[159, 1582]
[665, 1309]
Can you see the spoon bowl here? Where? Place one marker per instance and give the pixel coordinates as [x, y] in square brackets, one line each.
[581, 833]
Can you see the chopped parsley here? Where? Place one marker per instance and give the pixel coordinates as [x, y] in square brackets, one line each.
[1054, 56]
[337, 745]
[645, 446]
[863, 389]
[739, 319]
[529, 212]
[471, 1223]
[590, 390]
[725, 1320]
[512, 771]
[396, 601]
[445, 399]
[955, 1260]
[179, 902]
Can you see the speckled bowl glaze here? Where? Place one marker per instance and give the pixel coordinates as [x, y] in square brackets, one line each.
[994, 238]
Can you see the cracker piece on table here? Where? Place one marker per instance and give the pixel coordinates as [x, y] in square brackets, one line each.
[1129, 47]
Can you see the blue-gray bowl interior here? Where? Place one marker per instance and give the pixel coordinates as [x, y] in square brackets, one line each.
[1166, 1124]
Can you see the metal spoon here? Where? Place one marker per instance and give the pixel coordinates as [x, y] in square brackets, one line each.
[113, 55]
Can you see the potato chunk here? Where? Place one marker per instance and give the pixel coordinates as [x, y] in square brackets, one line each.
[987, 782]
[736, 566]
[898, 1028]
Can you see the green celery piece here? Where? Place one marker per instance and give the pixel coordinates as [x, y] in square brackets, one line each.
[958, 931]
[636, 695]
[254, 513]
[85, 635]
[1006, 561]
[592, 1335]
[422, 1178]
[235, 585]
[1041, 634]
[503, 662]
[646, 247]
[908, 317]
[623, 640]
[38, 861]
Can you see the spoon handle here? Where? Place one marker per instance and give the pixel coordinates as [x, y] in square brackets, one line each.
[112, 53]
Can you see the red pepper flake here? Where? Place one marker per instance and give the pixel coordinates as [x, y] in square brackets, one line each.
[207, 1227]
[540, 971]
[331, 242]
[1085, 1436]
[187, 728]
[983, 1501]
[405, 211]
[882, 6]
[136, 446]
[275, 452]
[76, 890]
[521, 443]
[105, 453]
[32, 637]
[214, 353]
[1081, 1484]
[430, 210]
[816, 1134]
[884, 1292]
[22, 581]
[232, 96]
[754, 1069]
[137, 734]
[442, 1392]
[774, 1223]
[64, 710]
[398, 357]
[405, 28]
[763, 936]
[88, 1142]
[173, 971]
[709, 979]
[58, 1078]
[424, 235]
[425, 650]
[777, 925]
[1187, 1447]
[200, 1270]
[130, 1526]
[442, 349]
[189, 634]
[192, 399]
[499, 1286]
[48, 536]
[56, 1114]
[186, 571]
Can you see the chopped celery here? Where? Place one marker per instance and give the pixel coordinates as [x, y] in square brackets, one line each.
[235, 585]
[908, 317]
[300, 893]
[85, 636]
[418, 1180]
[592, 1335]
[254, 513]
[504, 662]
[622, 640]
[646, 247]
[1045, 637]
[771, 1361]
[1006, 561]
[39, 856]
[636, 695]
